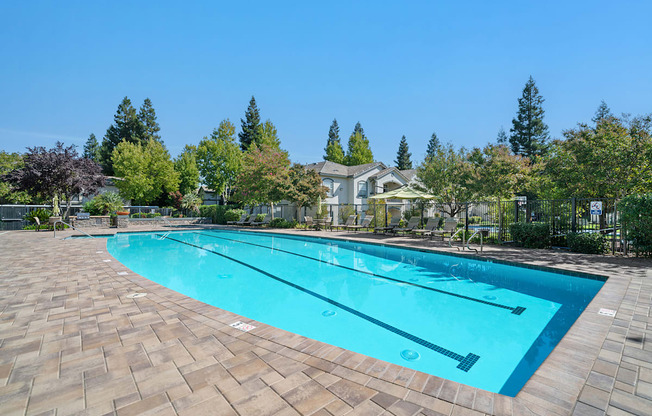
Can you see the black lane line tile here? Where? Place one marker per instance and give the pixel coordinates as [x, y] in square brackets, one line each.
[465, 362]
[518, 310]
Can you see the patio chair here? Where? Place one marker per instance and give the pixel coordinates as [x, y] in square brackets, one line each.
[431, 225]
[349, 221]
[240, 221]
[328, 223]
[265, 221]
[411, 225]
[450, 226]
[310, 223]
[366, 222]
[247, 221]
[393, 223]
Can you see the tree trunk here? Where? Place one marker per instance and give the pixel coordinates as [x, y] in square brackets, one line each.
[299, 213]
[271, 209]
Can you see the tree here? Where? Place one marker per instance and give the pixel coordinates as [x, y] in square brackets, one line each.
[126, 126]
[358, 152]
[495, 172]
[252, 130]
[305, 187]
[92, 149]
[502, 138]
[433, 145]
[442, 175]
[403, 161]
[270, 135]
[146, 170]
[56, 173]
[611, 159]
[529, 132]
[219, 159]
[8, 163]
[191, 201]
[334, 151]
[602, 113]
[149, 125]
[186, 167]
[264, 178]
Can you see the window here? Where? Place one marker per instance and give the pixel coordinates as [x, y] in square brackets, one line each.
[328, 183]
[362, 189]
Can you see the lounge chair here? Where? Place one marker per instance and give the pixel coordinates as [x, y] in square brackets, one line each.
[366, 222]
[247, 221]
[265, 221]
[411, 225]
[349, 221]
[393, 223]
[450, 226]
[243, 217]
[431, 225]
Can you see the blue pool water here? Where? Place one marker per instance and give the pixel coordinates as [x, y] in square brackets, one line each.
[480, 323]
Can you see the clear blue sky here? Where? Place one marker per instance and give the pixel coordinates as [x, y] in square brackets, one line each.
[400, 68]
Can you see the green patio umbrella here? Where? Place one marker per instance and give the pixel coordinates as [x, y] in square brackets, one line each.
[404, 192]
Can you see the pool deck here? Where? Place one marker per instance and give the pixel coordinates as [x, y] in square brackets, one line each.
[72, 343]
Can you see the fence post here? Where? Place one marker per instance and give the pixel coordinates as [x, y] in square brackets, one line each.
[386, 212]
[515, 211]
[500, 221]
[466, 219]
[613, 236]
[573, 214]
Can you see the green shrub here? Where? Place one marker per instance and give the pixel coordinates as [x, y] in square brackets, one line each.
[219, 214]
[531, 234]
[104, 204]
[259, 217]
[282, 223]
[475, 219]
[41, 213]
[589, 243]
[636, 216]
[233, 215]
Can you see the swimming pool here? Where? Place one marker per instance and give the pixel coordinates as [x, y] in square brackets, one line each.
[481, 323]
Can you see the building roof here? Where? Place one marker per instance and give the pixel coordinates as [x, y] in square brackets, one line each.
[409, 173]
[328, 168]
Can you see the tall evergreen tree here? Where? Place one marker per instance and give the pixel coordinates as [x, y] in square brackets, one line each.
[433, 145]
[92, 149]
[334, 151]
[403, 161]
[529, 132]
[147, 118]
[252, 130]
[126, 126]
[358, 152]
[602, 112]
[358, 129]
[502, 136]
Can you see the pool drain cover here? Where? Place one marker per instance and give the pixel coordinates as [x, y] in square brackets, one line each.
[488, 297]
[328, 313]
[410, 355]
[136, 295]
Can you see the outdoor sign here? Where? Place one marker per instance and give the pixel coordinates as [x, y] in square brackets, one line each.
[522, 200]
[83, 216]
[242, 326]
[596, 207]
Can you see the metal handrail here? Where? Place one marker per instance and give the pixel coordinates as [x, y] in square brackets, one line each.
[468, 242]
[69, 225]
[450, 240]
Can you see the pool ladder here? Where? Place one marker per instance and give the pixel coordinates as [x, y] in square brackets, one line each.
[468, 242]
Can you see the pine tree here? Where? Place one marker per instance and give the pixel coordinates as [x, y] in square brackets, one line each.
[502, 136]
[433, 145]
[334, 151]
[602, 112]
[147, 118]
[358, 152]
[92, 149]
[252, 130]
[529, 132]
[126, 126]
[403, 161]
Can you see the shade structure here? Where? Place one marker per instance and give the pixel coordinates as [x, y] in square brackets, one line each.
[404, 192]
